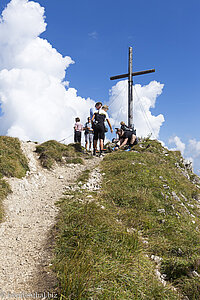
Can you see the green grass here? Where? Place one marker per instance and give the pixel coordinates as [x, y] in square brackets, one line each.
[12, 164]
[53, 151]
[145, 195]
[141, 183]
[96, 258]
[83, 178]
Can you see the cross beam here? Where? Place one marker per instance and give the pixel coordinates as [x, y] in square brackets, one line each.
[130, 75]
[133, 74]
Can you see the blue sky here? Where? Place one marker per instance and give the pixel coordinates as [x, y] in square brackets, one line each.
[164, 35]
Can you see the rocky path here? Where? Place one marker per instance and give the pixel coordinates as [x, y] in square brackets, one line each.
[25, 240]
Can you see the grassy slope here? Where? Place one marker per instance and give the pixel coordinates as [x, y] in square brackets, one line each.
[12, 164]
[96, 258]
[154, 196]
[100, 252]
[53, 151]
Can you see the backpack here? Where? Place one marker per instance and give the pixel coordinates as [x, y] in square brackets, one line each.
[126, 128]
[99, 120]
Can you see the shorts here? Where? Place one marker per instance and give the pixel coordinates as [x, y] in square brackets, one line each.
[135, 142]
[89, 137]
[99, 132]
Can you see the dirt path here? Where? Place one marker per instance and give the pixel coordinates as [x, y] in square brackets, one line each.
[25, 242]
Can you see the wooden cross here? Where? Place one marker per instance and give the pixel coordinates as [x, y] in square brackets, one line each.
[130, 75]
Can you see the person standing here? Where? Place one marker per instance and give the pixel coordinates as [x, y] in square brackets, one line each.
[88, 134]
[78, 128]
[98, 120]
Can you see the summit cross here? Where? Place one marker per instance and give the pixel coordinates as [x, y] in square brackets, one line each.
[130, 75]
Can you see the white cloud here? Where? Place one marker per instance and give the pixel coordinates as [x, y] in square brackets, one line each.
[93, 35]
[144, 99]
[193, 150]
[179, 144]
[34, 100]
[194, 147]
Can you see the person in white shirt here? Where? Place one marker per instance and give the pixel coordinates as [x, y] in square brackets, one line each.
[89, 134]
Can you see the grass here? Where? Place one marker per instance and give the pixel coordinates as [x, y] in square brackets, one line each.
[53, 151]
[154, 196]
[83, 178]
[146, 194]
[96, 258]
[12, 164]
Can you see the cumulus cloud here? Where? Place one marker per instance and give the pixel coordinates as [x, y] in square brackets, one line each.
[33, 95]
[144, 99]
[194, 147]
[180, 146]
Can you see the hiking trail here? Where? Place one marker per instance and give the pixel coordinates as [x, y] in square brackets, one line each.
[26, 241]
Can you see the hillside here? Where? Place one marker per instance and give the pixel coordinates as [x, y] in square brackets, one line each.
[138, 237]
[125, 227]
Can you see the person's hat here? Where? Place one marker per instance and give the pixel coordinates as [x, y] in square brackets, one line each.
[105, 106]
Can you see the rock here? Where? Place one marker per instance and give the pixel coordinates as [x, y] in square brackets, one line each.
[180, 252]
[184, 197]
[166, 187]
[161, 211]
[191, 205]
[60, 177]
[195, 274]
[157, 259]
[175, 196]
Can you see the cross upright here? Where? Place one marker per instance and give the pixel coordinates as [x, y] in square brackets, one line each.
[130, 75]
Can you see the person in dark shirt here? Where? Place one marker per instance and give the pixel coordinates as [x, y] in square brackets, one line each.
[98, 120]
[126, 138]
[78, 128]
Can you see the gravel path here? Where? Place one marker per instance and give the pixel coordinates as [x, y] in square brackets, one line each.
[25, 235]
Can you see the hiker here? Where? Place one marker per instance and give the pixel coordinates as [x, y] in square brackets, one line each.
[89, 133]
[125, 127]
[98, 120]
[126, 137]
[98, 105]
[78, 128]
